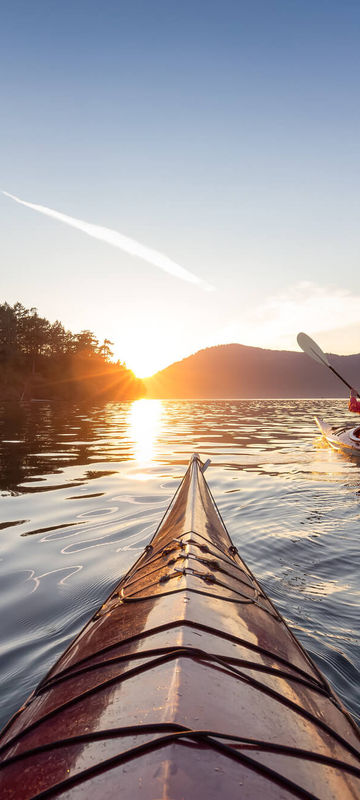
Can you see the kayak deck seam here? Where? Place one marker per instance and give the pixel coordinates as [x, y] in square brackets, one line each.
[196, 626]
[181, 650]
[204, 656]
[179, 731]
[211, 738]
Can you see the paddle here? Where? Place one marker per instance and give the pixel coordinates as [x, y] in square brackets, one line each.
[314, 351]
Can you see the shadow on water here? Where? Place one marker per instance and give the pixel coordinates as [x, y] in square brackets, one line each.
[83, 488]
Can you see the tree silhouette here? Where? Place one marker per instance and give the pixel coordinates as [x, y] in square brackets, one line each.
[39, 356]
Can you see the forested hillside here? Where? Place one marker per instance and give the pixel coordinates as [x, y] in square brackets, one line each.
[41, 360]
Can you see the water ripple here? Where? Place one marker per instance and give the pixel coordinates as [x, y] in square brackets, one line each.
[291, 505]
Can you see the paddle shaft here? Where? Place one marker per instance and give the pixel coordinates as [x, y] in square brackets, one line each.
[313, 350]
[342, 379]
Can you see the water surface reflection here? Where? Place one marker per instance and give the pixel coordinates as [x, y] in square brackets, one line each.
[82, 489]
[145, 426]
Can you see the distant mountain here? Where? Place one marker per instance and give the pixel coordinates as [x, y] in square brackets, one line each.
[235, 370]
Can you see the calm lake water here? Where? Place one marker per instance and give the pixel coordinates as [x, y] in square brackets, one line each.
[83, 488]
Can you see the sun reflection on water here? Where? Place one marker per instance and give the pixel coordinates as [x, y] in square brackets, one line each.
[145, 425]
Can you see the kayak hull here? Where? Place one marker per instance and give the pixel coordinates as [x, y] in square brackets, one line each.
[187, 682]
[342, 438]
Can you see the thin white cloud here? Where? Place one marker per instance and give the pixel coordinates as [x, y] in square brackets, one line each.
[117, 239]
[330, 311]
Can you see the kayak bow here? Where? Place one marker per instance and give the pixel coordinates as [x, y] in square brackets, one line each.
[186, 683]
[345, 439]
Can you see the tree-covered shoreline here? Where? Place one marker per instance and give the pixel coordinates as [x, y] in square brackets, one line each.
[43, 360]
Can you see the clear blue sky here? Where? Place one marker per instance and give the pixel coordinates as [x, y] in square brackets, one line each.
[224, 134]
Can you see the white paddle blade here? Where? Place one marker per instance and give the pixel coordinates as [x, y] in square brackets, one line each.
[312, 349]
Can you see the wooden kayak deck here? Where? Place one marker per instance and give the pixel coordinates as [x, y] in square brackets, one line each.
[187, 683]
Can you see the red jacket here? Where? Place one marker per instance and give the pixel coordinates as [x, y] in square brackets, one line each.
[354, 404]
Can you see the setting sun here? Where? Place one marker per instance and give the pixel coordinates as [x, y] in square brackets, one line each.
[143, 365]
[147, 356]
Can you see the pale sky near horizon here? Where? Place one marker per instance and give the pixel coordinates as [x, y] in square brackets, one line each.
[223, 136]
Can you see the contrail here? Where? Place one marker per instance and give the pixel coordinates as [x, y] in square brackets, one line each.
[117, 239]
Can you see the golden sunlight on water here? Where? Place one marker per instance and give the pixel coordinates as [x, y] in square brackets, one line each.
[144, 428]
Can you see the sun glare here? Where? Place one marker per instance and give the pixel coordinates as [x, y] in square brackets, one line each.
[143, 370]
[145, 425]
[141, 364]
[146, 352]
